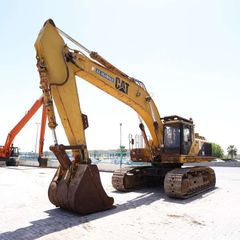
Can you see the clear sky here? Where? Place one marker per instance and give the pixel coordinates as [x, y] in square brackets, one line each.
[186, 52]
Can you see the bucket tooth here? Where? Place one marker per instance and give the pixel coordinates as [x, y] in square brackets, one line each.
[79, 189]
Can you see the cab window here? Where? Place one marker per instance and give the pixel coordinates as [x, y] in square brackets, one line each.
[171, 137]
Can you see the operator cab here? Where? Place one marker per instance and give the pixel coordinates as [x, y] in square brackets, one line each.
[178, 134]
[14, 151]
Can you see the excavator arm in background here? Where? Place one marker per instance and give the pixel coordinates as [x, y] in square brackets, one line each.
[76, 185]
[8, 152]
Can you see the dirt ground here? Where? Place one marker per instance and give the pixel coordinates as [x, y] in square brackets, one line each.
[26, 213]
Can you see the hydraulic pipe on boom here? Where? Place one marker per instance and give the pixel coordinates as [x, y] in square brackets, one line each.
[42, 160]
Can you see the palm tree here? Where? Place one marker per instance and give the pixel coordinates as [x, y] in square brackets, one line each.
[232, 151]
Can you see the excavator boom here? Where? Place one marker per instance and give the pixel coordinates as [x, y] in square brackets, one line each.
[63, 65]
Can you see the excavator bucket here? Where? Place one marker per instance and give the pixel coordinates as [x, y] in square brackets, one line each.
[79, 189]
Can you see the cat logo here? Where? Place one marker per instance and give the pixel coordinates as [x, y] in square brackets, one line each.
[121, 85]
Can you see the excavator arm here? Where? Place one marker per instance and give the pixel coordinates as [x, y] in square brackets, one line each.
[59, 65]
[7, 152]
[127, 90]
[12, 134]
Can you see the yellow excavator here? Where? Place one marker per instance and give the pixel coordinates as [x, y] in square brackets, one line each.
[76, 185]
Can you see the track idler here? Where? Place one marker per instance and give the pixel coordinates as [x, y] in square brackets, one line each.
[78, 187]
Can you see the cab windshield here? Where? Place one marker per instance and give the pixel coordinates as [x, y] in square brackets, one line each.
[172, 137]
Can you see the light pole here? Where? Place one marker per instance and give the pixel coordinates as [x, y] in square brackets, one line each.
[36, 138]
[121, 147]
[120, 135]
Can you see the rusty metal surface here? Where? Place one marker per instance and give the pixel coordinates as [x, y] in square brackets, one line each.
[178, 182]
[61, 155]
[187, 182]
[140, 155]
[130, 178]
[79, 189]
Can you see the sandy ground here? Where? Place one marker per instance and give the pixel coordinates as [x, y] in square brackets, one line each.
[26, 213]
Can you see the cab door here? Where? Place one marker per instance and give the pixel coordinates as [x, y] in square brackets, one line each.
[186, 139]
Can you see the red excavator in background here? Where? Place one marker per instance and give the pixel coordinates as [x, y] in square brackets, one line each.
[9, 153]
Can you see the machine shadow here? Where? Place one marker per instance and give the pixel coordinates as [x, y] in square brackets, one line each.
[59, 219]
[157, 193]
